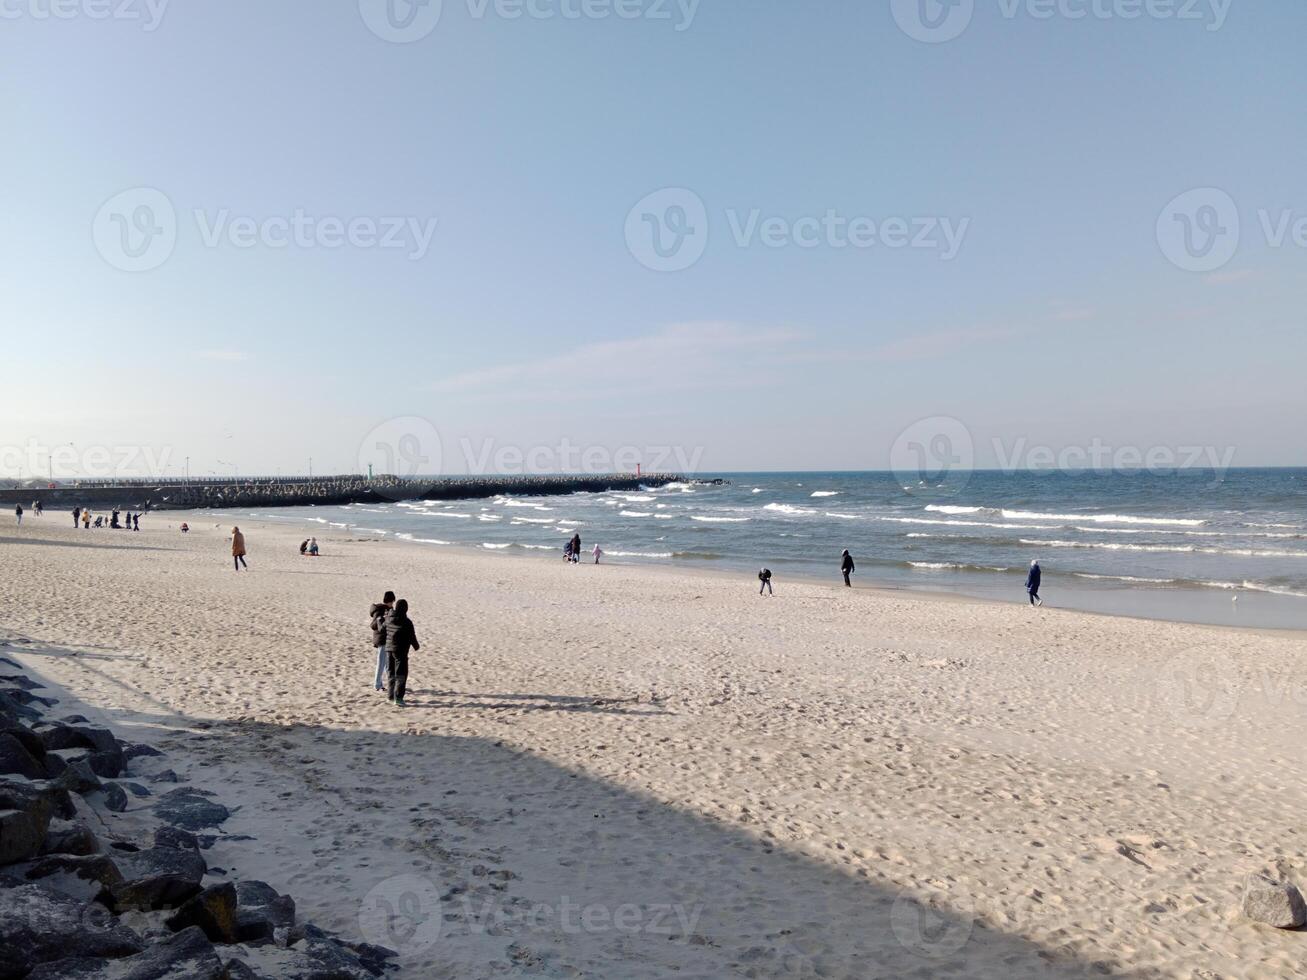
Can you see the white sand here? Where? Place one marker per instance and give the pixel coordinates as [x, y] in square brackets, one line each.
[626, 772]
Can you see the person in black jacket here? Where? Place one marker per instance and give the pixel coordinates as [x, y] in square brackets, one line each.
[576, 548]
[846, 566]
[764, 576]
[1032, 583]
[400, 638]
[377, 614]
[77, 515]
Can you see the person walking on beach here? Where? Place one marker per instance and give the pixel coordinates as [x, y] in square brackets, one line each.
[576, 547]
[18, 512]
[40, 511]
[136, 522]
[400, 638]
[238, 549]
[846, 566]
[378, 616]
[77, 516]
[1032, 582]
[598, 552]
[764, 576]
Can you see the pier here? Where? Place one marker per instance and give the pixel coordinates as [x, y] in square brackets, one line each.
[301, 491]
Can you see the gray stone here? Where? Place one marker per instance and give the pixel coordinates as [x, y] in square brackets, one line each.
[31, 741]
[139, 750]
[262, 911]
[38, 925]
[175, 837]
[68, 837]
[190, 810]
[212, 910]
[115, 797]
[161, 877]
[1275, 903]
[76, 776]
[186, 956]
[15, 759]
[25, 812]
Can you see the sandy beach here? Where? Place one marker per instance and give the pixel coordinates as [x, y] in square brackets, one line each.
[628, 772]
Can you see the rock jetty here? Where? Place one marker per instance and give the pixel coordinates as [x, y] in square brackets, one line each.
[77, 904]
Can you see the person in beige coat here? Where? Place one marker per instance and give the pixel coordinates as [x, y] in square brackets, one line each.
[238, 549]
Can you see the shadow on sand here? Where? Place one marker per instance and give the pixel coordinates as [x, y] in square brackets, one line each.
[477, 859]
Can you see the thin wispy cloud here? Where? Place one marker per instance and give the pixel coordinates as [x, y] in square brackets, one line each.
[223, 355]
[682, 356]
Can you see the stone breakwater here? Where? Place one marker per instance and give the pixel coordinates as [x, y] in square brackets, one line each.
[77, 902]
[321, 491]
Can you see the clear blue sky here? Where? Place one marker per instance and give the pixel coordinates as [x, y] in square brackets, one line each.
[528, 320]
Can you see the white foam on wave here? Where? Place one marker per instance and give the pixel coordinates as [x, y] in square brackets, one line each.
[495, 547]
[716, 520]
[951, 509]
[410, 537]
[1172, 549]
[635, 513]
[639, 554]
[447, 513]
[789, 509]
[1103, 518]
[843, 517]
[944, 523]
[1125, 578]
[489, 517]
[533, 520]
[824, 493]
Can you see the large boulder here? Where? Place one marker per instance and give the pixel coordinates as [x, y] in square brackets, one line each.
[115, 797]
[262, 911]
[15, 759]
[158, 878]
[186, 956]
[25, 811]
[212, 910]
[39, 925]
[69, 837]
[31, 741]
[1273, 902]
[75, 776]
[190, 810]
